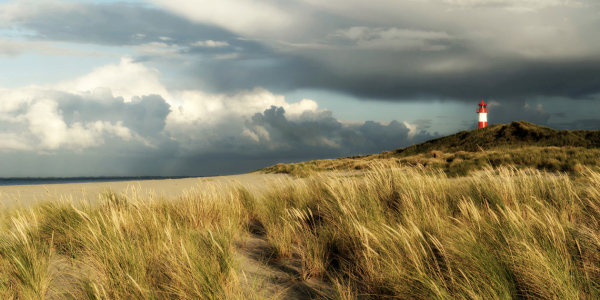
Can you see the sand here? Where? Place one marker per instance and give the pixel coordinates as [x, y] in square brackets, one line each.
[169, 188]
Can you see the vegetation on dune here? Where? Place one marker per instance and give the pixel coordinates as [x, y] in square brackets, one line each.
[406, 233]
[409, 234]
[519, 144]
[124, 248]
[515, 135]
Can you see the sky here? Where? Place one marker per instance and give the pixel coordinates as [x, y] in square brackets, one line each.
[180, 87]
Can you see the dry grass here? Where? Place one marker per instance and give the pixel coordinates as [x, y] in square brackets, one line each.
[396, 233]
[404, 233]
[458, 163]
[125, 248]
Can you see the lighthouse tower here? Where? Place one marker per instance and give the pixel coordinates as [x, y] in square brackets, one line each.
[482, 111]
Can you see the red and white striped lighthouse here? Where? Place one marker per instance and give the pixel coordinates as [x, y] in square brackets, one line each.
[482, 111]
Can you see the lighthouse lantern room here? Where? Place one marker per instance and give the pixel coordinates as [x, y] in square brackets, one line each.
[482, 111]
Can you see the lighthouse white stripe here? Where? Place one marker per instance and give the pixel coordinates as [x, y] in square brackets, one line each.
[482, 117]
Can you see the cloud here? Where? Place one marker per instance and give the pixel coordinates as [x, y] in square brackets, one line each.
[240, 16]
[162, 50]
[395, 50]
[123, 112]
[15, 48]
[583, 124]
[425, 50]
[210, 44]
[318, 133]
[394, 38]
[126, 79]
[115, 23]
[46, 120]
[228, 56]
[515, 5]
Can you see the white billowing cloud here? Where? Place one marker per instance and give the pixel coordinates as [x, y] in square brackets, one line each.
[249, 17]
[126, 79]
[38, 116]
[214, 108]
[47, 124]
[13, 142]
[203, 120]
[413, 129]
[395, 38]
[210, 44]
[12, 99]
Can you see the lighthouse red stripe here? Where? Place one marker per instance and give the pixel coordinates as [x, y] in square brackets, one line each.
[482, 124]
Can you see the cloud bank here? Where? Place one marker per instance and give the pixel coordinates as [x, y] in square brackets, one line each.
[394, 50]
[123, 110]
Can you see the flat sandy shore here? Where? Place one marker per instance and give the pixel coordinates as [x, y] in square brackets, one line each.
[30, 194]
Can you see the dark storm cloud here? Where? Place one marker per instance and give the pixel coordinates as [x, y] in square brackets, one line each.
[384, 137]
[585, 124]
[320, 134]
[455, 50]
[115, 24]
[146, 115]
[508, 80]
[450, 51]
[516, 111]
[311, 129]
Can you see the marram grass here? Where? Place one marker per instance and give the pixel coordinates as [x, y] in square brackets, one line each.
[124, 248]
[395, 233]
[403, 233]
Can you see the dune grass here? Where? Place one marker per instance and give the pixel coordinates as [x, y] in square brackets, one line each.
[395, 233]
[404, 233]
[459, 163]
[126, 247]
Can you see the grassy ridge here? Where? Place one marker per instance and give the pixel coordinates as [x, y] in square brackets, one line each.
[505, 136]
[519, 144]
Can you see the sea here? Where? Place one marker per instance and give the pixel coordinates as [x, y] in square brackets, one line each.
[59, 180]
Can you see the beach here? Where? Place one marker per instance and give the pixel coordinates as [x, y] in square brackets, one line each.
[168, 188]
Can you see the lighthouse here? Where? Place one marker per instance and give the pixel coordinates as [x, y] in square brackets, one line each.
[482, 111]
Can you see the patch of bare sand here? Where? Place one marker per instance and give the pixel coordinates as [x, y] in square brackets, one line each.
[275, 278]
[168, 188]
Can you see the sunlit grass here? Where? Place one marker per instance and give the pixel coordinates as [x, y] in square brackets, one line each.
[396, 232]
[407, 233]
[126, 247]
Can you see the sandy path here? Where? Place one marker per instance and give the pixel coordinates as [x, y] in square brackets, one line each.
[275, 278]
[30, 194]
